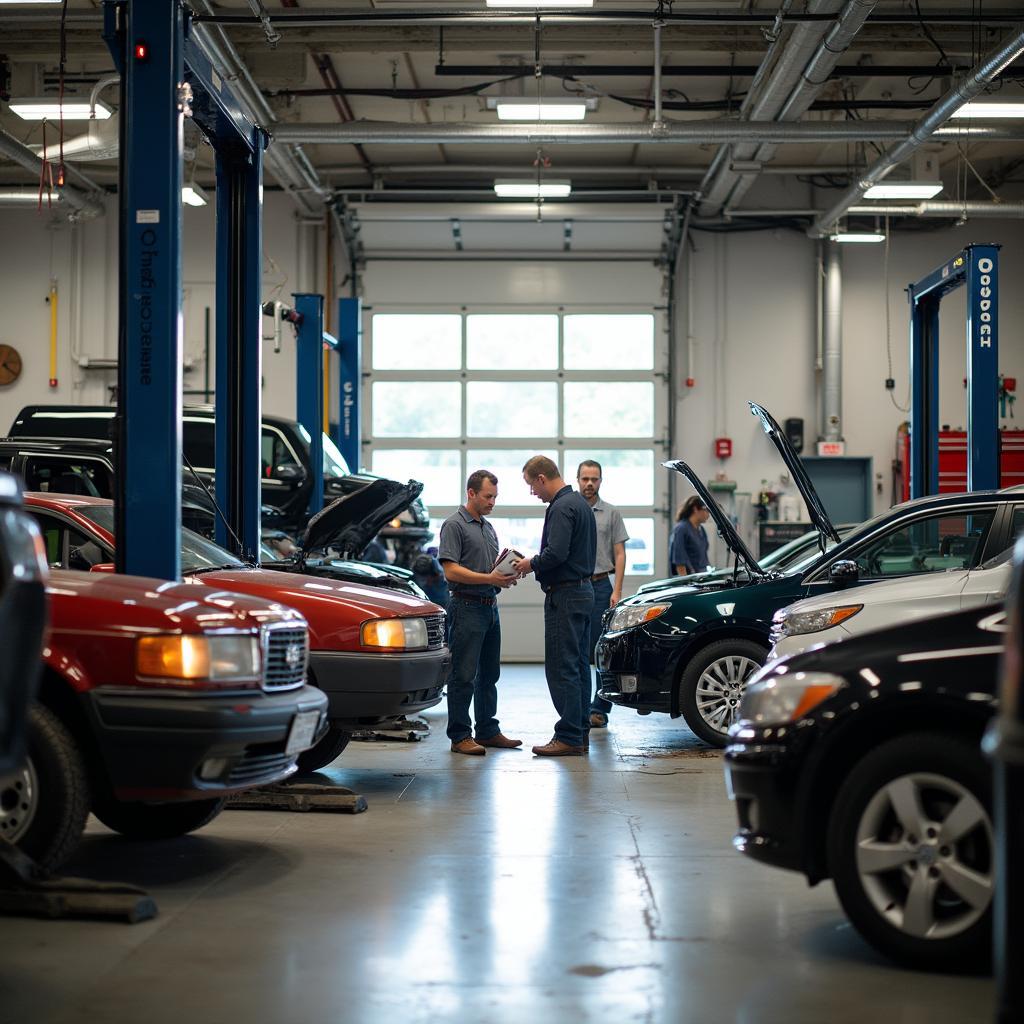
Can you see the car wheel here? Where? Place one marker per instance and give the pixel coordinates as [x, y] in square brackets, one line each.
[44, 804]
[911, 851]
[137, 820]
[334, 741]
[712, 686]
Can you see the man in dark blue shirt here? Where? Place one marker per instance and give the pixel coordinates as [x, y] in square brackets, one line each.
[568, 548]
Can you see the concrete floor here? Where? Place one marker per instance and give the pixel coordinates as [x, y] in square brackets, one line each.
[501, 889]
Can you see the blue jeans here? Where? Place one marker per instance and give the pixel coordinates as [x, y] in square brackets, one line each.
[567, 613]
[475, 642]
[602, 600]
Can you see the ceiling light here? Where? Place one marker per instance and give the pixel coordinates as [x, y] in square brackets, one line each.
[534, 110]
[506, 189]
[48, 108]
[990, 108]
[904, 190]
[12, 2]
[857, 236]
[193, 195]
[540, 3]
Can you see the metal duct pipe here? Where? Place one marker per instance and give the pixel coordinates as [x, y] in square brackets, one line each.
[291, 167]
[993, 63]
[570, 170]
[23, 197]
[84, 205]
[832, 320]
[811, 80]
[657, 71]
[942, 208]
[671, 132]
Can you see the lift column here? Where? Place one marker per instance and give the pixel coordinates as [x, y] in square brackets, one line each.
[977, 267]
[309, 358]
[146, 39]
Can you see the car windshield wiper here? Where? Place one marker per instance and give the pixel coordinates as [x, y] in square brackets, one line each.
[218, 568]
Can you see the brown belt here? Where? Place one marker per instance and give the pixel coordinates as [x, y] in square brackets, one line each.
[600, 576]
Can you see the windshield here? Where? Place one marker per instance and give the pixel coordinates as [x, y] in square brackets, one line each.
[196, 552]
[334, 462]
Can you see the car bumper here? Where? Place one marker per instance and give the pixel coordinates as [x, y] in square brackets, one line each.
[365, 688]
[761, 778]
[635, 671]
[159, 746]
[800, 642]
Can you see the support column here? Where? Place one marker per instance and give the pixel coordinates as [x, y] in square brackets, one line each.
[239, 349]
[832, 347]
[924, 397]
[148, 423]
[350, 380]
[983, 368]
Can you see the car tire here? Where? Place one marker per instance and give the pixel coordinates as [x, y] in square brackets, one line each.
[45, 803]
[712, 685]
[325, 750]
[136, 820]
[915, 881]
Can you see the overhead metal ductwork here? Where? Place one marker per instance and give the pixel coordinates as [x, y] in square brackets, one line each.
[928, 127]
[84, 204]
[670, 133]
[100, 142]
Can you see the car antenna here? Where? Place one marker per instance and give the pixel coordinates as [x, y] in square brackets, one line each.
[213, 501]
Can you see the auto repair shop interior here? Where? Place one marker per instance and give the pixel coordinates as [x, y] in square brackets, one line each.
[764, 255]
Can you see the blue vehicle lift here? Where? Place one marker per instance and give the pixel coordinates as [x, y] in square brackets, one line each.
[977, 266]
[165, 77]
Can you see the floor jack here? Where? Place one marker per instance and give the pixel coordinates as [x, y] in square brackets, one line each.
[26, 891]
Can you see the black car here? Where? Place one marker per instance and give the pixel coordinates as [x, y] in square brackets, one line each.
[85, 466]
[285, 476]
[690, 647]
[861, 762]
[22, 621]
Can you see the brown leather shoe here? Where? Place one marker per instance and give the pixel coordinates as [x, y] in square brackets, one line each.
[468, 746]
[598, 720]
[499, 740]
[556, 748]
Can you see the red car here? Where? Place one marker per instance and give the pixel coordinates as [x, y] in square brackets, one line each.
[157, 701]
[376, 653]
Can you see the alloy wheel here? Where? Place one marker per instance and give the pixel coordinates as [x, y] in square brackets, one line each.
[925, 855]
[720, 689]
[18, 802]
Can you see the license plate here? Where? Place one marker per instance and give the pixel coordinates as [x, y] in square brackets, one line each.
[300, 736]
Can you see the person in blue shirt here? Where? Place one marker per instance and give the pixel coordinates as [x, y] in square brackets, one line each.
[688, 549]
[564, 569]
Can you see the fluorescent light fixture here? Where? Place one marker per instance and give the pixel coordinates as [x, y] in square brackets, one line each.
[506, 189]
[11, 3]
[193, 195]
[990, 108]
[540, 3]
[524, 108]
[49, 109]
[857, 236]
[26, 197]
[904, 190]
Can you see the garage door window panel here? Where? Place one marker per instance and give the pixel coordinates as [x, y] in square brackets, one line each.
[511, 409]
[628, 473]
[609, 408]
[417, 408]
[511, 341]
[417, 341]
[604, 341]
[439, 470]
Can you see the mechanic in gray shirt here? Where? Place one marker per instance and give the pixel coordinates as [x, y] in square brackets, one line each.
[609, 568]
[467, 552]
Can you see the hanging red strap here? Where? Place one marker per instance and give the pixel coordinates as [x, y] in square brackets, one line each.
[45, 177]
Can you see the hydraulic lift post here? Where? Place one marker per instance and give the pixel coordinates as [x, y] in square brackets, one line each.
[977, 266]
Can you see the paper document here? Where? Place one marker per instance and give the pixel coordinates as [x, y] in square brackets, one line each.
[505, 560]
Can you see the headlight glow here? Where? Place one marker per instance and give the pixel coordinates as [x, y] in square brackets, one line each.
[779, 699]
[795, 623]
[630, 615]
[191, 660]
[395, 634]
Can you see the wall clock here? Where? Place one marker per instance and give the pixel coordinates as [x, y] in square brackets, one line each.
[10, 364]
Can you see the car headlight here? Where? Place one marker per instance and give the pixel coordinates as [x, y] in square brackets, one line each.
[777, 699]
[394, 633]
[630, 615]
[795, 623]
[26, 550]
[191, 660]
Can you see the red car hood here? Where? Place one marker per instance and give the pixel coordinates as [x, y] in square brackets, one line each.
[334, 609]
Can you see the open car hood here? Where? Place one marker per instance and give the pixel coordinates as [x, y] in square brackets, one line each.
[797, 470]
[351, 522]
[722, 521]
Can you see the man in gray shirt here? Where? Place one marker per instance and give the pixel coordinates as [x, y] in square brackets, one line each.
[609, 567]
[468, 551]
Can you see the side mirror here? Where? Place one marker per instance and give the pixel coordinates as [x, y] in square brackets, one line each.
[102, 567]
[289, 473]
[844, 573]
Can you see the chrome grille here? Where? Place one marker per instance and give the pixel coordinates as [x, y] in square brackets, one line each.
[257, 766]
[286, 653]
[435, 631]
[776, 634]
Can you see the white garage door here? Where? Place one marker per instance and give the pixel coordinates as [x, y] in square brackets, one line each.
[451, 392]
